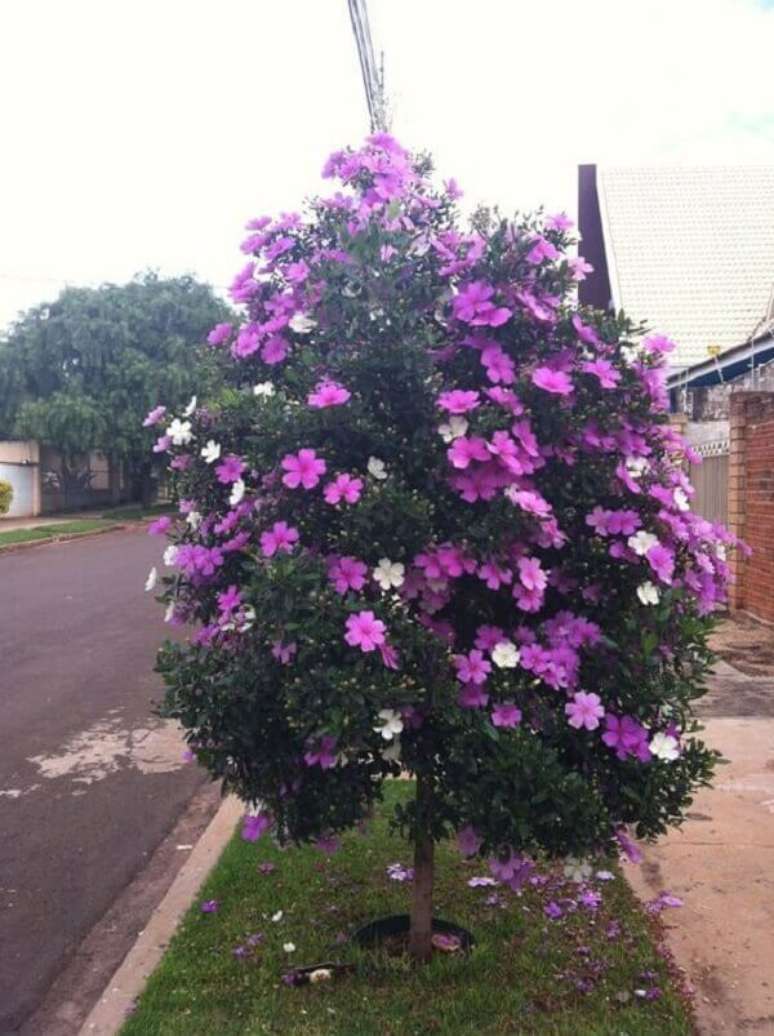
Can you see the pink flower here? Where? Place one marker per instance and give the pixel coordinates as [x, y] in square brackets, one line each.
[343, 487]
[465, 449]
[500, 367]
[468, 841]
[322, 752]
[219, 334]
[253, 827]
[302, 469]
[506, 714]
[160, 526]
[559, 221]
[495, 576]
[347, 573]
[458, 402]
[662, 561]
[230, 469]
[365, 631]
[328, 393]
[604, 370]
[284, 652]
[579, 267]
[275, 350]
[154, 416]
[280, 538]
[531, 574]
[488, 637]
[390, 656]
[659, 344]
[472, 305]
[541, 250]
[472, 696]
[552, 381]
[248, 342]
[472, 668]
[585, 710]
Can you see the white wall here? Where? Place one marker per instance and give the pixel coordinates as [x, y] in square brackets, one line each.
[19, 465]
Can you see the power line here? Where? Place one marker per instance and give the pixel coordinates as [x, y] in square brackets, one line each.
[373, 77]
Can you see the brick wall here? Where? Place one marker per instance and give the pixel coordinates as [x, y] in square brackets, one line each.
[751, 499]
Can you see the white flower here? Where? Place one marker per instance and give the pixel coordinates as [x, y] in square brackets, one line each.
[248, 618]
[277, 917]
[577, 869]
[630, 353]
[150, 582]
[392, 752]
[180, 432]
[720, 551]
[237, 492]
[665, 747]
[264, 388]
[453, 429]
[642, 541]
[289, 947]
[190, 408]
[648, 593]
[389, 574]
[194, 520]
[376, 468]
[320, 975]
[169, 612]
[505, 654]
[681, 500]
[391, 724]
[211, 452]
[637, 466]
[302, 323]
[170, 555]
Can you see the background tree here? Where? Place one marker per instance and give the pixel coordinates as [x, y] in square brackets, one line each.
[438, 523]
[80, 373]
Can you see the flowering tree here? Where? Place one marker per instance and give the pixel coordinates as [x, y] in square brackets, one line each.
[437, 524]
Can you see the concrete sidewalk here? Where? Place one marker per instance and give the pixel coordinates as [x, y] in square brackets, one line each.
[11, 524]
[721, 862]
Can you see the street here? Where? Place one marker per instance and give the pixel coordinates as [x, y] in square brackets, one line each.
[90, 780]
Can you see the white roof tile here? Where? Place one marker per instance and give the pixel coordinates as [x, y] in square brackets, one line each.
[690, 250]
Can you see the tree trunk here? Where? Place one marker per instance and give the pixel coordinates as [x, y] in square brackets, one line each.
[421, 933]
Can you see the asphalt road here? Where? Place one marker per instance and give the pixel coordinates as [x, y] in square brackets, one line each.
[90, 780]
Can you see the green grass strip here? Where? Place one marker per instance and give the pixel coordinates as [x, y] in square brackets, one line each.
[578, 975]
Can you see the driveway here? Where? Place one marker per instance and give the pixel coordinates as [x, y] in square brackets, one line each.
[90, 780]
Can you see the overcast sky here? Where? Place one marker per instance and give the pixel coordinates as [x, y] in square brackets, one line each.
[145, 134]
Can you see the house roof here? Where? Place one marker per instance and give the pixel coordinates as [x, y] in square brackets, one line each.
[690, 251]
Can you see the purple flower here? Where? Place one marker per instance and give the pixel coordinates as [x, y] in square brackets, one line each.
[160, 526]
[365, 631]
[506, 714]
[347, 573]
[662, 561]
[552, 910]
[472, 668]
[219, 334]
[397, 872]
[472, 305]
[542, 250]
[302, 469]
[210, 906]
[552, 381]
[322, 752]
[255, 826]
[585, 710]
[458, 401]
[343, 487]
[230, 469]
[281, 538]
[266, 868]
[154, 416]
[468, 841]
[327, 394]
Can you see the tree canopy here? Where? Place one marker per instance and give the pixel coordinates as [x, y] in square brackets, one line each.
[79, 373]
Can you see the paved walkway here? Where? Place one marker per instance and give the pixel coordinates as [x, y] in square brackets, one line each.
[721, 862]
[11, 524]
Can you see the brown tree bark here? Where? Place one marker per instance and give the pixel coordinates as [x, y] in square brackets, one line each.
[421, 932]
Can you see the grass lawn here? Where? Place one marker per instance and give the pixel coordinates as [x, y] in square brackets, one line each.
[576, 975]
[136, 512]
[47, 532]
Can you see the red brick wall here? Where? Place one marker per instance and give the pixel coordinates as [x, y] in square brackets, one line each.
[751, 499]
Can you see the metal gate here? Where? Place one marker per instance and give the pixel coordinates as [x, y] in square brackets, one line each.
[710, 480]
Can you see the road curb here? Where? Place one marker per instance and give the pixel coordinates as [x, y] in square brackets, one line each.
[113, 1007]
[14, 548]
